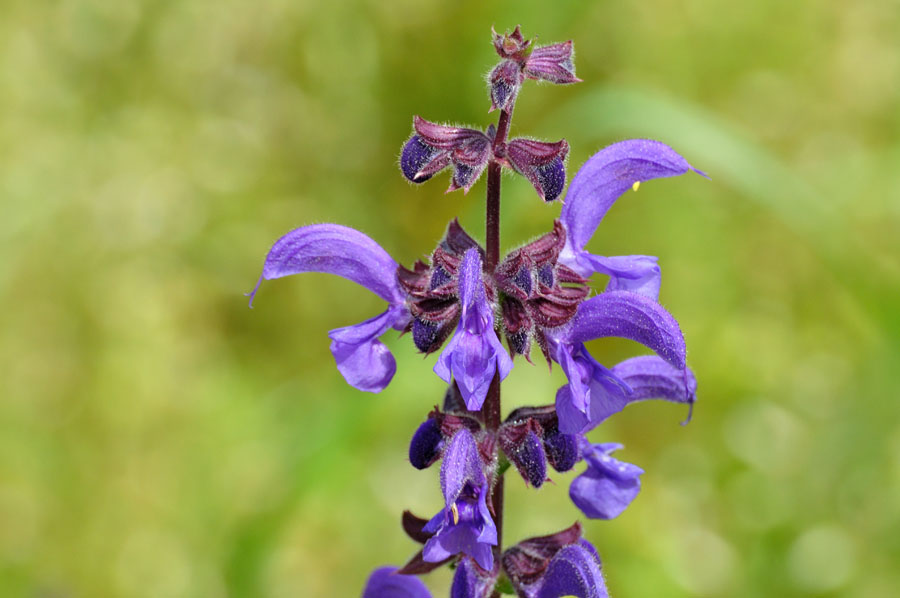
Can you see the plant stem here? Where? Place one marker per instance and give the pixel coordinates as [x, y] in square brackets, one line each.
[492, 411]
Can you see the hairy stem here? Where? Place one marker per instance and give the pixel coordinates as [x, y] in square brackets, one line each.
[492, 411]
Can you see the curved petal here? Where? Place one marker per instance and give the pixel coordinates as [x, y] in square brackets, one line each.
[629, 315]
[608, 485]
[364, 361]
[461, 465]
[574, 571]
[334, 249]
[592, 394]
[385, 583]
[652, 378]
[637, 273]
[474, 353]
[607, 175]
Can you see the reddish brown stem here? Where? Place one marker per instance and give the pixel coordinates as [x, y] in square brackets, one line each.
[492, 411]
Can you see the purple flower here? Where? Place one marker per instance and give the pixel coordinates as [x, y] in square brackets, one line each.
[594, 392]
[464, 525]
[471, 581]
[474, 353]
[608, 485]
[594, 188]
[362, 359]
[574, 571]
[387, 583]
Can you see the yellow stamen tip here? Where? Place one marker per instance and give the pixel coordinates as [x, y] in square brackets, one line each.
[455, 512]
[636, 185]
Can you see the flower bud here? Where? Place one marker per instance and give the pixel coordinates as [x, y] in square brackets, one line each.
[562, 450]
[552, 63]
[505, 80]
[415, 155]
[427, 442]
[434, 147]
[511, 45]
[542, 163]
[521, 442]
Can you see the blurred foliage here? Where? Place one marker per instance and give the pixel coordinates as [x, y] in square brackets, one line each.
[159, 439]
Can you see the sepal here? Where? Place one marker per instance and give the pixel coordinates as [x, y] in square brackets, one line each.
[542, 163]
[522, 444]
[554, 63]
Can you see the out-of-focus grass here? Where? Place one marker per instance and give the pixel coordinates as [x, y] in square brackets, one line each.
[159, 439]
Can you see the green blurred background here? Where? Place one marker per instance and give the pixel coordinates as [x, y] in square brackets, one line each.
[159, 439]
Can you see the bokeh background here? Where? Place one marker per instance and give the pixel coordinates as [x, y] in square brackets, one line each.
[159, 439]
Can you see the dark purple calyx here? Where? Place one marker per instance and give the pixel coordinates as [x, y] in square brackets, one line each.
[430, 438]
[522, 445]
[432, 290]
[536, 292]
[526, 562]
[542, 163]
[511, 45]
[415, 155]
[505, 80]
[553, 63]
[434, 147]
[560, 449]
[427, 442]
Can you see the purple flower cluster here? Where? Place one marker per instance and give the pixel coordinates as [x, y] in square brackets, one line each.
[463, 305]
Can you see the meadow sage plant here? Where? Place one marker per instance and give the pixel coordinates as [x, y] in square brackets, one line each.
[467, 300]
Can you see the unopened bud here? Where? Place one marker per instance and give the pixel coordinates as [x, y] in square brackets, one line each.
[426, 444]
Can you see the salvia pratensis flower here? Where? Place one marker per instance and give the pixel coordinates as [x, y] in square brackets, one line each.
[594, 392]
[362, 359]
[608, 486]
[474, 354]
[387, 583]
[595, 187]
[464, 525]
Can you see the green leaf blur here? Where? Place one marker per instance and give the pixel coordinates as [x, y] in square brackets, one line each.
[159, 439]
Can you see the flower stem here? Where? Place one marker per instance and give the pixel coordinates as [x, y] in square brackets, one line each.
[492, 411]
